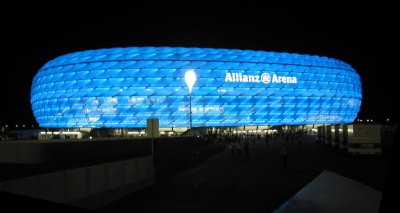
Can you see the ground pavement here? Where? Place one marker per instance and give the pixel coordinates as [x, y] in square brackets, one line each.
[227, 182]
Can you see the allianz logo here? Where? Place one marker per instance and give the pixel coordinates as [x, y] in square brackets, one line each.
[264, 78]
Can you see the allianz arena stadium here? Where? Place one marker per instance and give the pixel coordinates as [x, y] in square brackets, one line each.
[123, 87]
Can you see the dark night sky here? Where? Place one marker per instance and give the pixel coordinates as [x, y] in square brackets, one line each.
[38, 33]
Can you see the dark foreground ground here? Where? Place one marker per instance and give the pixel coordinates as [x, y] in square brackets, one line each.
[209, 178]
[193, 176]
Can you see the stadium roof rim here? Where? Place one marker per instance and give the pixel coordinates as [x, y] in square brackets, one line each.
[230, 52]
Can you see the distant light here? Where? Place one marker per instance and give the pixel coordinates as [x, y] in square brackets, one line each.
[367, 120]
[372, 120]
[90, 137]
[387, 119]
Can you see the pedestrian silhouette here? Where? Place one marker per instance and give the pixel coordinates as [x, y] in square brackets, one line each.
[246, 148]
[284, 153]
[231, 147]
[239, 148]
[267, 139]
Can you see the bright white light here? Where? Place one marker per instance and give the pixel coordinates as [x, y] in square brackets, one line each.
[190, 79]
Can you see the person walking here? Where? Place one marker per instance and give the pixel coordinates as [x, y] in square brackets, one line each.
[231, 147]
[239, 148]
[246, 148]
[284, 153]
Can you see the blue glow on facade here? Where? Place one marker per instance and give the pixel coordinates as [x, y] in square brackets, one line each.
[122, 87]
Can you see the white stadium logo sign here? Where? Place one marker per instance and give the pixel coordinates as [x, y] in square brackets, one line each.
[264, 78]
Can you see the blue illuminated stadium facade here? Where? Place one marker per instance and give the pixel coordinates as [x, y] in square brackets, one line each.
[122, 87]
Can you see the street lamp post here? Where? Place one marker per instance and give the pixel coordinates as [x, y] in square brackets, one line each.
[190, 79]
[190, 112]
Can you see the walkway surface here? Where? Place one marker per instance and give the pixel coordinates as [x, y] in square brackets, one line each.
[227, 182]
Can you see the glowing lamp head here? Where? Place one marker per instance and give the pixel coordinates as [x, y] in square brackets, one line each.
[190, 79]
